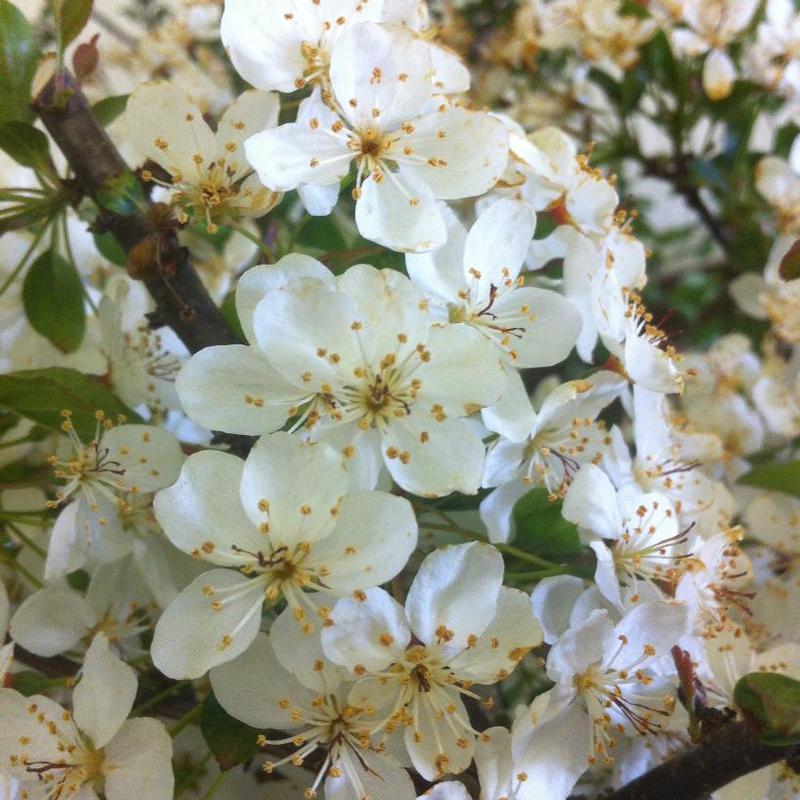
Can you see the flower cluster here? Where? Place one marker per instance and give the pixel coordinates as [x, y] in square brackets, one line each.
[449, 486]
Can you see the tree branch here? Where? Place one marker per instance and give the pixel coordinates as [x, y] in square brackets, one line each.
[181, 299]
[735, 751]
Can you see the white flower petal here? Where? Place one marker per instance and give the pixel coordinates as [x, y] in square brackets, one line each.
[418, 452]
[512, 633]
[497, 244]
[293, 154]
[105, 693]
[255, 688]
[201, 513]
[293, 486]
[380, 75]
[366, 634]
[192, 635]
[234, 388]
[399, 212]
[719, 73]
[435, 747]
[151, 457]
[591, 502]
[455, 589]
[165, 127]
[457, 153]
[259, 280]
[251, 112]
[52, 620]
[375, 535]
[138, 762]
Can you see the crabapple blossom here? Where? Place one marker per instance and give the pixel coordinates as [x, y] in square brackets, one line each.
[409, 149]
[282, 682]
[712, 27]
[277, 525]
[360, 364]
[121, 460]
[460, 627]
[606, 686]
[70, 754]
[563, 434]
[638, 534]
[210, 178]
[475, 280]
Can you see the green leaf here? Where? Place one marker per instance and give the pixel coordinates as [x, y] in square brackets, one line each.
[790, 263]
[52, 294]
[19, 56]
[774, 701]
[777, 476]
[27, 145]
[109, 108]
[322, 234]
[71, 17]
[228, 311]
[27, 682]
[231, 741]
[541, 529]
[110, 248]
[41, 394]
[122, 195]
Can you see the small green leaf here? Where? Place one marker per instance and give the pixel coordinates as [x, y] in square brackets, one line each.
[231, 741]
[228, 310]
[541, 529]
[322, 234]
[27, 682]
[41, 394]
[27, 145]
[109, 108]
[71, 17]
[122, 195]
[774, 701]
[19, 56]
[790, 263]
[110, 248]
[777, 476]
[52, 294]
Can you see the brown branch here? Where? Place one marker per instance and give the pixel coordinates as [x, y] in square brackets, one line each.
[733, 752]
[181, 299]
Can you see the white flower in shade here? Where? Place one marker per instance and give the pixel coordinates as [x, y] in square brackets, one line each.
[210, 178]
[356, 360]
[460, 627]
[774, 519]
[142, 363]
[638, 538]
[279, 525]
[99, 477]
[548, 173]
[606, 687]
[713, 26]
[716, 581]
[95, 747]
[771, 297]
[57, 618]
[409, 150]
[563, 434]
[283, 682]
[475, 280]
